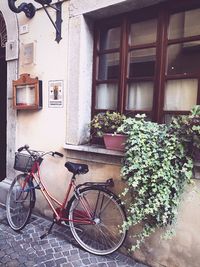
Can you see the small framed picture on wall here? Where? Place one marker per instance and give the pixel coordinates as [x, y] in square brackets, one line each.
[56, 94]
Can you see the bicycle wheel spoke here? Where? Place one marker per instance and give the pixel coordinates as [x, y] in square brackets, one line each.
[106, 239]
[103, 236]
[105, 206]
[110, 234]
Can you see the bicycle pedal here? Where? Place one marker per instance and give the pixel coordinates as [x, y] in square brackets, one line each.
[37, 187]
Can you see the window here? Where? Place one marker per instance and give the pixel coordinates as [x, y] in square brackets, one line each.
[148, 61]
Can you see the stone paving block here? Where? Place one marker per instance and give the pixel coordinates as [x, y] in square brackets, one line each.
[23, 259]
[66, 247]
[13, 255]
[50, 263]
[49, 251]
[93, 260]
[102, 264]
[112, 264]
[29, 263]
[77, 263]
[13, 263]
[72, 258]
[6, 259]
[67, 265]
[74, 251]
[61, 261]
[86, 262]
[66, 253]
[39, 265]
[140, 265]
[58, 255]
[57, 249]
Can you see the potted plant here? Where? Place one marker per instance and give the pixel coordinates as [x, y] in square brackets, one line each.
[106, 125]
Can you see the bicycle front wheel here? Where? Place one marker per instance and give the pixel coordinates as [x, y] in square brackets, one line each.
[19, 202]
[95, 220]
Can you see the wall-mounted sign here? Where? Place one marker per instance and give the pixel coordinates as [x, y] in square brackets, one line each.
[28, 53]
[27, 92]
[11, 50]
[56, 94]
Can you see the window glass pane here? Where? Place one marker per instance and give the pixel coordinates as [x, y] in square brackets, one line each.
[184, 24]
[106, 96]
[110, 38]
[25, 95]
[184, 58]
[141, 63]
[143, 32]
[108, 66]
[180, 94]
[139, 96]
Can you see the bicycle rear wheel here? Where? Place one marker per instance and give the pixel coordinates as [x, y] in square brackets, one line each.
[19, 203]
[100, 232]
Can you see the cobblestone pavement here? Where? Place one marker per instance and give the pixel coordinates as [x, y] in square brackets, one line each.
[26, 249]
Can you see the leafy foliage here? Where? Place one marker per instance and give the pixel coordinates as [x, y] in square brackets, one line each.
[107, 122]
[157, 166]
[188, 128]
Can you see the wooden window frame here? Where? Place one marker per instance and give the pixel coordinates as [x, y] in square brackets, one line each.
[162, 13]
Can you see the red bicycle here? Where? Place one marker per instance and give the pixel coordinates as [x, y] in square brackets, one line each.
[94, 214]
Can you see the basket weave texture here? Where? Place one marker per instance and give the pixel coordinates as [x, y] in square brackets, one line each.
[23, 162]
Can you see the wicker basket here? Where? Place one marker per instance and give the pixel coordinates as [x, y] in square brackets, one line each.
[23, 162]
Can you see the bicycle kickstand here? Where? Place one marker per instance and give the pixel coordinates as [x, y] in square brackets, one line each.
[49, 231]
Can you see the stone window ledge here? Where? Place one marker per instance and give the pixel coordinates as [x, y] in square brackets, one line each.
[94, 153]
[97, 149]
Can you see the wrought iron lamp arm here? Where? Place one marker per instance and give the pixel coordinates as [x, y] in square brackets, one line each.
[28, 9]
[50, 16]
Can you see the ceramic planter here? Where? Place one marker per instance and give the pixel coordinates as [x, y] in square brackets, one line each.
[115, 141]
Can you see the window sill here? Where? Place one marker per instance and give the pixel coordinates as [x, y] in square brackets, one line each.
[94, 153]
[97, 149]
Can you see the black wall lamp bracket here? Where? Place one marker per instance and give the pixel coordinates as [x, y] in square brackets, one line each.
[29, 10]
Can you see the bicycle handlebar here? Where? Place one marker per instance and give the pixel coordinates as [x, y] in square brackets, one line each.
[39, 153]
[26, 147]
[58, 154]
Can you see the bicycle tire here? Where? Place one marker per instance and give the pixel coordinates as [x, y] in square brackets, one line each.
[19, 203]
[106, 235]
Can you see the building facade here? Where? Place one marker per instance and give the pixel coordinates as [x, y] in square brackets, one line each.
[131, 56]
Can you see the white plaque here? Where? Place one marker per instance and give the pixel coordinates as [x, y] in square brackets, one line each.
[55, 94]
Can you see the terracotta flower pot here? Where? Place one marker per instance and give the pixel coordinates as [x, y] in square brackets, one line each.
[115, 141]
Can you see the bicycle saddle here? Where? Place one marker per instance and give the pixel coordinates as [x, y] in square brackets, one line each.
[76, 168]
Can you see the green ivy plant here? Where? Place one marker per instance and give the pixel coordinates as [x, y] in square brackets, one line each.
[157, 167]
[187, 127]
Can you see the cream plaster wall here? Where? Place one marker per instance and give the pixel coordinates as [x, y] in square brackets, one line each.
[44, 129]
[183, 249]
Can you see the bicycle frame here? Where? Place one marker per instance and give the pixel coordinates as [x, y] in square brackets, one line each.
[58, 211]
